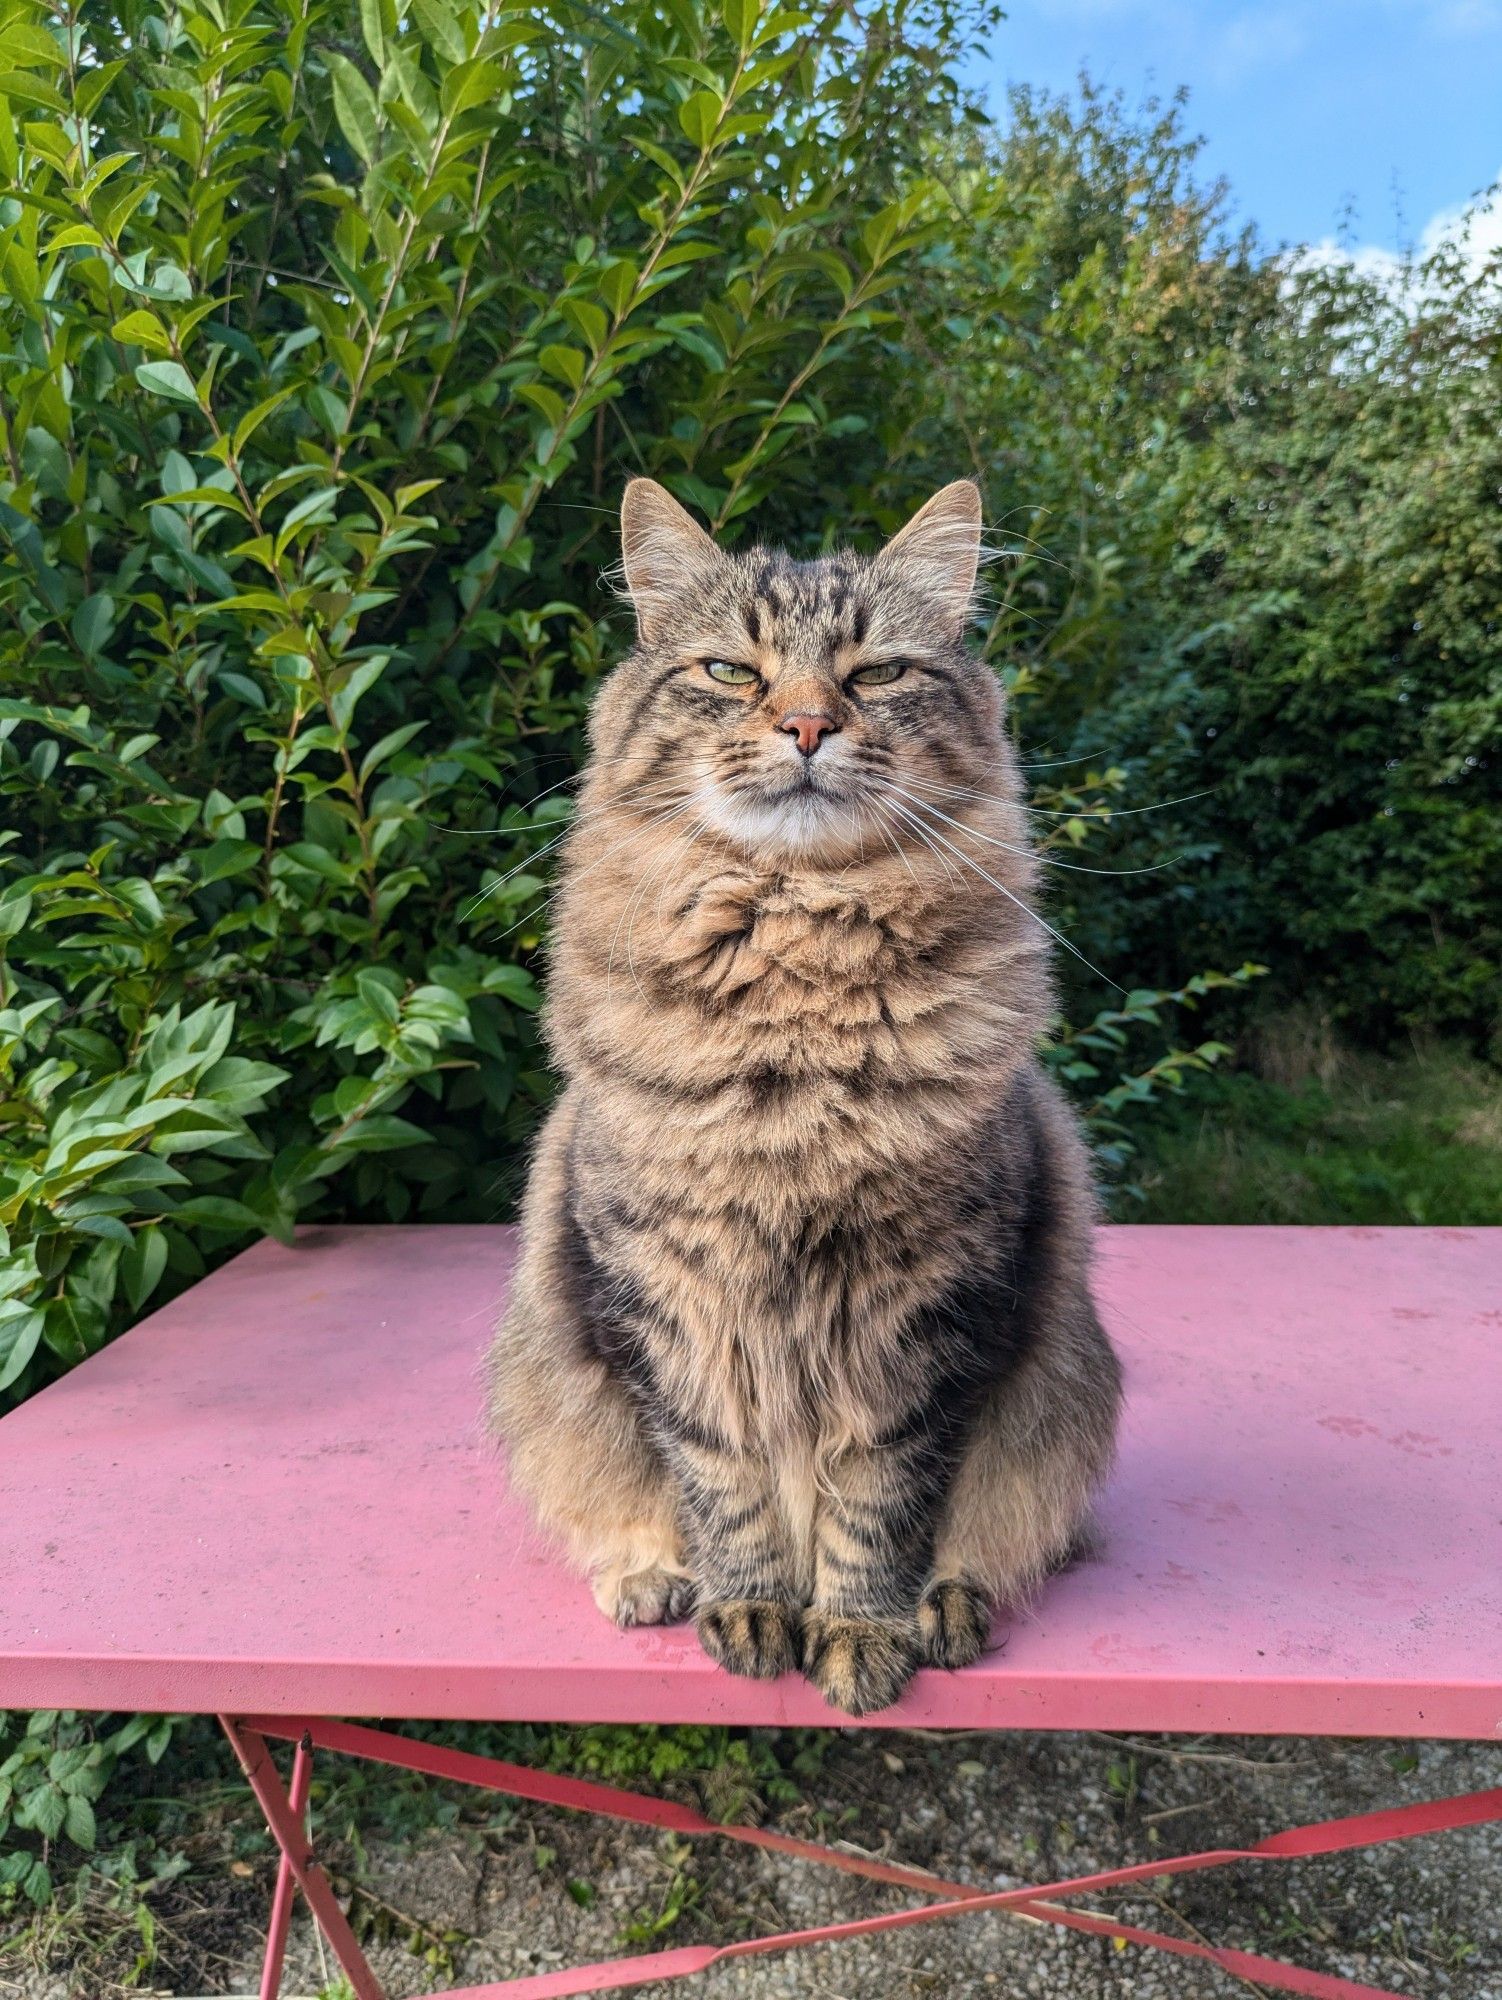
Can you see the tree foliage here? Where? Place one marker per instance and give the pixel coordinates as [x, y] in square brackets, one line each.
[1251, 508]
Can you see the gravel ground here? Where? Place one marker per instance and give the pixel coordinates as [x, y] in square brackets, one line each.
[513, 1890]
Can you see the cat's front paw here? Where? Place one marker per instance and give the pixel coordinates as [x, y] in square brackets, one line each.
[652, 1597]
[858, 1664]
[954, 1623]
[750, 1635]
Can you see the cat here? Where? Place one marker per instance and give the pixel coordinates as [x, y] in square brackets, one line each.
[801, 1339]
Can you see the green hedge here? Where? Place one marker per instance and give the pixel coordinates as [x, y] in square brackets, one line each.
[331, 336]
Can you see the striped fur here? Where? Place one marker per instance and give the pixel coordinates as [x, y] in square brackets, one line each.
[802, 1330]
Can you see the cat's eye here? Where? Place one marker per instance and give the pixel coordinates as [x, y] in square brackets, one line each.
[879, 674]
[730, 674]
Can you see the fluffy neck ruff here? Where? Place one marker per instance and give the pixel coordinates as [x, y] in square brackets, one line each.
[685, 966]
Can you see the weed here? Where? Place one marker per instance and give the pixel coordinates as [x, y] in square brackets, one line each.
[679, 1897]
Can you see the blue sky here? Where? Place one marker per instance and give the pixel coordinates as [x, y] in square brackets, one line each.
[1391, 109]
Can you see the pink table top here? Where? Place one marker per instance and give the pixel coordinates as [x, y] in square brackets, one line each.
[274, 1496]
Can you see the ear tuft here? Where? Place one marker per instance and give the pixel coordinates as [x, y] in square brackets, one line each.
[665, 554]
[938, 552]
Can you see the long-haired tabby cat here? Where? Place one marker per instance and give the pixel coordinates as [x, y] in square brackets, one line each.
[801, 1339]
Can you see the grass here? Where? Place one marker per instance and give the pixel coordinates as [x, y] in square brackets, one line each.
[1410, 1139]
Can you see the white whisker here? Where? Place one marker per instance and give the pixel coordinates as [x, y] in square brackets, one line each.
[1095, 811]
[653, 819]
[970, 862]
[1023, 853]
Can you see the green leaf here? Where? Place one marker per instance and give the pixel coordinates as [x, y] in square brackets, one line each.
[355, 107]
[212, 1211]
[20, 88]
[700, 116]
[20, 1332]
[79, 1821]
[566, 364]
[44, 1811]
[142, 329]
[167, 378]
[440, 30]
[225, 857]
[373, 28]
[513, 983]
[471, 84]
[92, 623]
[741, 18]
[142, 1266]
[378, 996]
[588, 321]
[618, 285]
[21, 43]
[383, 1134]
[389, 744]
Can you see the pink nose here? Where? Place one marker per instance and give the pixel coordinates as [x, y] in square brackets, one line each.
[810, 730]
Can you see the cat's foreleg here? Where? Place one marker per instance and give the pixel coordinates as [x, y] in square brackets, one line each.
[579, 1455]
[749, 1611]
[874, 1541]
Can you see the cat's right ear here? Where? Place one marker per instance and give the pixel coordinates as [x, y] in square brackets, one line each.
[666, 555]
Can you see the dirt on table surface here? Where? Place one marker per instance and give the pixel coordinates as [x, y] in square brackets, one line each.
[507, 1889]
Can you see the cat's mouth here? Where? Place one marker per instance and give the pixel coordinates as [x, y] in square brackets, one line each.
[804, 812]
[803, 785]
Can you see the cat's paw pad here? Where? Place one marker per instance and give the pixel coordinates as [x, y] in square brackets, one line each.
[954, 1623]
[750, 1635]
[858, 1664]
[652, 1597]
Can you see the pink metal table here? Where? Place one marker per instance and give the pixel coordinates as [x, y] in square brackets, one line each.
[272, 1501]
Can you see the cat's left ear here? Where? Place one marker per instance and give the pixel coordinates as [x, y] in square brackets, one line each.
[938, 552]
[666, 555]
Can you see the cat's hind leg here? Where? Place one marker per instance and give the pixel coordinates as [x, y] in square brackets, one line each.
[576, 1452]
[1020, 1505]
[574, 1442]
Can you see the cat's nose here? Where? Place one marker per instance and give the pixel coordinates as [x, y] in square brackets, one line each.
[810, 730]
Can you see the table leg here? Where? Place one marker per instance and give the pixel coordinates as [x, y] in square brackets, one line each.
[286, 1881]
[287, 1830]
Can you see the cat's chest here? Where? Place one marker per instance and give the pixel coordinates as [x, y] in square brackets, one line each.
[757, 1039]
[748, 961]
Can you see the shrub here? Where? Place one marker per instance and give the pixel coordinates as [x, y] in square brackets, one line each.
[331, 337]
[1249, 505]
[1331, 681]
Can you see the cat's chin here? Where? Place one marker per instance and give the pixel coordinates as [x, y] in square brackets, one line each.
[800, 823]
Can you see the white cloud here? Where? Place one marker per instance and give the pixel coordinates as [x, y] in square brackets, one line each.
[1472, 229]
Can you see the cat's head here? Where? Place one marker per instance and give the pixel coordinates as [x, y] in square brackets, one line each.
[804, 710]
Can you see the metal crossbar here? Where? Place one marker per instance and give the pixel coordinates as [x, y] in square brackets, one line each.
[284, 1812]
